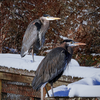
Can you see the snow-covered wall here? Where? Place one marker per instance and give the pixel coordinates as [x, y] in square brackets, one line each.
[73, 69]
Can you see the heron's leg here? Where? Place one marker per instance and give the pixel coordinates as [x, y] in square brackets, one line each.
[52, 89]
[33, 55]
[98, 65]
[47, 91]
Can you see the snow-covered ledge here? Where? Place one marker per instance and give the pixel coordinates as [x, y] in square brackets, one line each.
[15, 61]
[89, 86]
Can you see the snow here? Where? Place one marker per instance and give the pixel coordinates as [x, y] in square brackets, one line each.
[48, 50]
[84, 91]
[84, 22]
[94, 54]
[86, 11]
[77, 27]
[81, 72]
[62, 90]
[15, 61]
[73, 69]
[89, 86]
[63, 37]
[98, 22]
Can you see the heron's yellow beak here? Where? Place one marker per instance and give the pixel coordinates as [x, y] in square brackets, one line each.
[78, 43]
[56, 18]
[52, 18]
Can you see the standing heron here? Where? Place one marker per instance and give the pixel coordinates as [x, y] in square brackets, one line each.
[53, 65]
[34, 36]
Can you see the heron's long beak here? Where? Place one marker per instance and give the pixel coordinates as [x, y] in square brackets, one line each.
[77, 44]
[56, 18]
[53, 18]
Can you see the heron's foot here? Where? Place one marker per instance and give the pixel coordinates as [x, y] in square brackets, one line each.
[52, 94]
[52, 90]
[97, 65]
[32, 61]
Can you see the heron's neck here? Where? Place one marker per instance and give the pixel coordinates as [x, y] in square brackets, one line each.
[44, 22]
[66, 47]
[44, 26]
[70, 50]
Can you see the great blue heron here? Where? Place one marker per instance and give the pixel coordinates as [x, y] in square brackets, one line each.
[53, 65]
[34, 36]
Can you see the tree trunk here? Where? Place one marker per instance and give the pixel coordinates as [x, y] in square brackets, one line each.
[0, 44]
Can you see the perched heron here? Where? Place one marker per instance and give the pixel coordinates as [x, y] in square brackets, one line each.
[34, 36]
[53, 65]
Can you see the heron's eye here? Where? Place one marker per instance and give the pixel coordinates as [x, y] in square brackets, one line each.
[72, 42]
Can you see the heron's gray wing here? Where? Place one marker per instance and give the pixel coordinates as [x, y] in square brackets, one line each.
[30, 37]
[51, 66]
[56, 63]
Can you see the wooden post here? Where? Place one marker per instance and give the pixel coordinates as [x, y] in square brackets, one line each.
[42, 98]
[0, 89]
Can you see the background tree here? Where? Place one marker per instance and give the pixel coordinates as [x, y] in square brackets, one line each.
[80, 21]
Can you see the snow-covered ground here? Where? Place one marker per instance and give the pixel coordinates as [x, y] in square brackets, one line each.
[89, 86]
[15, 61]
[86, 87]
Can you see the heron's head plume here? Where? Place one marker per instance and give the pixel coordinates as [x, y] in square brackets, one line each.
[46, 15]
[72, 43]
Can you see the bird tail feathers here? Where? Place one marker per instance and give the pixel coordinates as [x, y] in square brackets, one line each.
[23, 52]
[36, 84]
